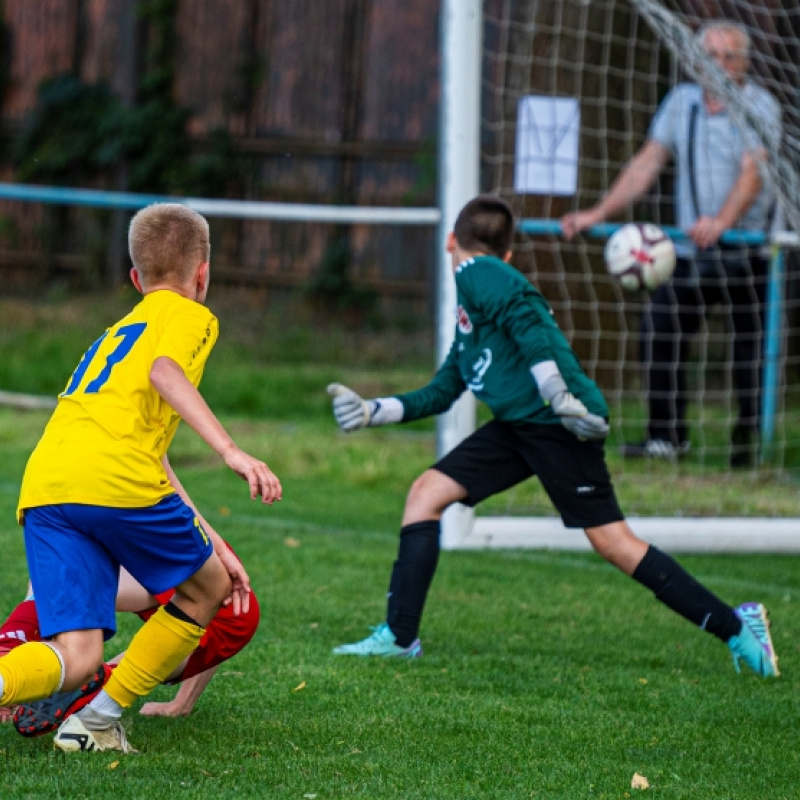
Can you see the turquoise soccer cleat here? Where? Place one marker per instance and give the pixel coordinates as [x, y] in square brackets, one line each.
[754, 644]
[381, 642]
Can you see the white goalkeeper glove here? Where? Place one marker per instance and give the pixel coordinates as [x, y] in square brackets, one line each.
[575, 417]
[353, 412]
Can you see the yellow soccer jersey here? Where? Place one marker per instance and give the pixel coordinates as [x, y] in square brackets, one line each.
[105, 441]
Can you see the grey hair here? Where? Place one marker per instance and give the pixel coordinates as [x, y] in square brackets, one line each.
[726, 26]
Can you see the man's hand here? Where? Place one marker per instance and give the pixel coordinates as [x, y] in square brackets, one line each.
[706, 232]
[351, 411]
[577, 221]
[184, 701]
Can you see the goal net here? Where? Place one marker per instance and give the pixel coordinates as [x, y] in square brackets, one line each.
[595, 71]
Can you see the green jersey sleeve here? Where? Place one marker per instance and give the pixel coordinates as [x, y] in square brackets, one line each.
[444, 389]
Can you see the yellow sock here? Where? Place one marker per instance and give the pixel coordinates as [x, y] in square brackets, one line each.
[30, 672]
[159, 646]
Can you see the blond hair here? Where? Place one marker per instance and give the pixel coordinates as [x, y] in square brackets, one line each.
[167, 241]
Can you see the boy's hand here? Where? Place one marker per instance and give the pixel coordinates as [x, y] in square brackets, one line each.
[577, 221]
[262, 480]
[350, 410]
[589, 426]
[239, 597]
[575, 417]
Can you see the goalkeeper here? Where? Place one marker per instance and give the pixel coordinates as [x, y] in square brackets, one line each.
[550, 420]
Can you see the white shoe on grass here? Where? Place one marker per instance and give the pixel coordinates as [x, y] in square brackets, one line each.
[73, 736]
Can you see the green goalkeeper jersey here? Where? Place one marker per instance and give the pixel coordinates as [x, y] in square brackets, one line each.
[504, 327]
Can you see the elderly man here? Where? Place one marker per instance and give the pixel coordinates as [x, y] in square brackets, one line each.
[718, 187]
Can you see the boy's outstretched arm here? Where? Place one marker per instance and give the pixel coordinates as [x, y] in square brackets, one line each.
[172, 384]
[184, 701]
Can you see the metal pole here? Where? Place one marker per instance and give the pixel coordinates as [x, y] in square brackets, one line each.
[459, 181]
[773, 337]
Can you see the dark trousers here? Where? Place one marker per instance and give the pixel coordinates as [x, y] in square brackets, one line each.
[733, 282]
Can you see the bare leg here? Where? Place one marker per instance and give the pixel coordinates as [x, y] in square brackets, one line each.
[430, 495]
[618, 545]
[667, 579]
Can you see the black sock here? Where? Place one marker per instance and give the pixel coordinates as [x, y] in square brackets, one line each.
[678, 590]
[417, 557]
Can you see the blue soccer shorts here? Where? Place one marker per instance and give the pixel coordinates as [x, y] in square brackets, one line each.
[74, 552]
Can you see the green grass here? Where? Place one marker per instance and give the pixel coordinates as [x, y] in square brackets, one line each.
[546, 674]
[273, 365]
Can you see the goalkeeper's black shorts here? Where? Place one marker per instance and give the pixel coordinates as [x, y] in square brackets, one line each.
[500, 455]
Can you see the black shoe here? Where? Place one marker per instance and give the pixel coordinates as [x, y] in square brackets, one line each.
[43, 716]
[655, 448]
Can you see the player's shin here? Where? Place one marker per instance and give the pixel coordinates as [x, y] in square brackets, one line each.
[678, 590]
[161, 644]
[30, 672]
[412, 574]
[225, 636]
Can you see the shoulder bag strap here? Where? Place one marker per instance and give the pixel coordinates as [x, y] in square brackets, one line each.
[690, 156]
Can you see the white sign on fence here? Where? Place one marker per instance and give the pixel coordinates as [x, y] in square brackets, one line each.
[548, 131]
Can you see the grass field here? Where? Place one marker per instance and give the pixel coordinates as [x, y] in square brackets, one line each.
[546, 674]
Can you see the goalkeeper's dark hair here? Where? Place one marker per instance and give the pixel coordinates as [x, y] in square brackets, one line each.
[485, 225]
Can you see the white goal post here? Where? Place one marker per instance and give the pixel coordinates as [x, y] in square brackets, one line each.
[459, 166]
[463, 52]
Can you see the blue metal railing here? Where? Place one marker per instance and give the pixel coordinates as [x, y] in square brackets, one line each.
[425, 216]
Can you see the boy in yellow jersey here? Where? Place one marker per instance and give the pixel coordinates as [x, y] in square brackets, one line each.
[99, 493]
[226, 635]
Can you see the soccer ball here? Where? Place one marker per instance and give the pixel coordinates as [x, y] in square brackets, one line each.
[640, 255]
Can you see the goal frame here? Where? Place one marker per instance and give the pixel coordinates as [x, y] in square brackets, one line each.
[459, 163]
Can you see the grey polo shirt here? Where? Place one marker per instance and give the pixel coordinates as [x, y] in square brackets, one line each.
[718, 149]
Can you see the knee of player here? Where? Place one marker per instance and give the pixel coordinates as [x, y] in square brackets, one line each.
[80, 659]
[221, 590]
[429, 495]
[422, 497]
[617, 544]
[217, 585]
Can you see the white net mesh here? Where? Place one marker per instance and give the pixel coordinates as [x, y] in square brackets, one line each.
[618, 60]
